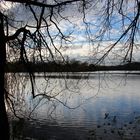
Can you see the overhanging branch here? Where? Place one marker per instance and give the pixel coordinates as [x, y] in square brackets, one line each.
[14, 36]
[40, 4]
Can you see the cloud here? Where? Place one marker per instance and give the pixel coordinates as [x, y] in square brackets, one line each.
[82, 30]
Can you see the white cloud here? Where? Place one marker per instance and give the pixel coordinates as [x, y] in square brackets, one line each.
[80, 45]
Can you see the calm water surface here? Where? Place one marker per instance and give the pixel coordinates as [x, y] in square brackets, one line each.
[104, 106]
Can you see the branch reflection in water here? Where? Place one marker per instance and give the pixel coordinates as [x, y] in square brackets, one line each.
[104, 104]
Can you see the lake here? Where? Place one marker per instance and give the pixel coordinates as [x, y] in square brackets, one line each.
[83, 106]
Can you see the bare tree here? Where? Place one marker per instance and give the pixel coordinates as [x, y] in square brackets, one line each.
[40, 36]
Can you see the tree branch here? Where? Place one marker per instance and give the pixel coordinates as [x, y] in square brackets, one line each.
[14, 36]
[40, 4]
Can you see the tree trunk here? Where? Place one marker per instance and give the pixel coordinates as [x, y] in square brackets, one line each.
[4, 125]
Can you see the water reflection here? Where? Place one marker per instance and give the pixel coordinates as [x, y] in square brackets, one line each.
[106, 105]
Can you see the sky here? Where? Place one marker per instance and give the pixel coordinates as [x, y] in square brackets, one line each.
[90, 36]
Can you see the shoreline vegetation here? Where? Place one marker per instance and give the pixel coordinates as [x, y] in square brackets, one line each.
[74, 66]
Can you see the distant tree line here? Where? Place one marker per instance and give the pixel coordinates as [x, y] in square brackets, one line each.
[52, 66]
[72, 66]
